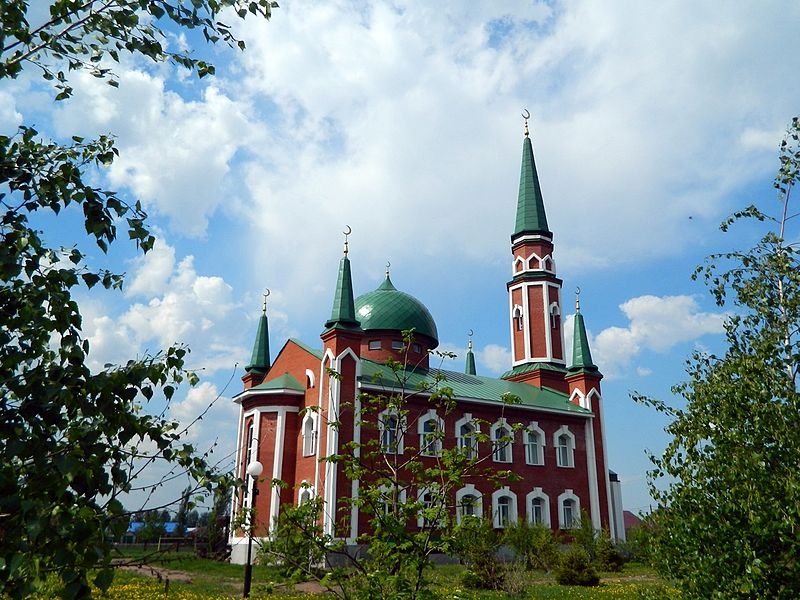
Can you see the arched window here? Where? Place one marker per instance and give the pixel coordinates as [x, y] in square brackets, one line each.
[502, 441]
[391, 429]
[469, 503]
[433, 509]
[504, 508]
[430, 427]
[517, 314]
[564, 441]
[538, 504]
[466, 436]
[309, 434]
[569, 510]
[555, 316]
[306, 493]
[533, 439]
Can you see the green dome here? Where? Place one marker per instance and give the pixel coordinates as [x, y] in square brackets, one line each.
[387, 308]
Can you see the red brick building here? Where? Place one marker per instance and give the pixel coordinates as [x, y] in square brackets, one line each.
[560, 454]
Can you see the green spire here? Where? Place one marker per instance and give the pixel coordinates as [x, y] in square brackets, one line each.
[259, 361]
[470, 368]
[581, 356]
[343, 314]
[530, 205]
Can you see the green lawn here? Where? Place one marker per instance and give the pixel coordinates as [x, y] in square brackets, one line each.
[212, 580]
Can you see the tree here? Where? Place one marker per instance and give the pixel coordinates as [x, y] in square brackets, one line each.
[727, 521]
[70, 437]
[407, 496]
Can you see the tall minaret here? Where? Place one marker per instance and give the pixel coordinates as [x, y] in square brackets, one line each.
[259, 364]
[534, 291]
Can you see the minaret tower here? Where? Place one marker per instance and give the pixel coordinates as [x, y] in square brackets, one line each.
[260, 360]
[534, 291]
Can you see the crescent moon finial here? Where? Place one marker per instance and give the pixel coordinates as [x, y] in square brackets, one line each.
[578, 299]
[470, 333]
[526, 115]
[388, 265]
[347, 231]
[469, 343]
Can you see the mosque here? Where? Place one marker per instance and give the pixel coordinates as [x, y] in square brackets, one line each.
[297, 410]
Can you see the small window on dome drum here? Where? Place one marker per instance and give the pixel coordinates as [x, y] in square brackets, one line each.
[397, 345]
[416, 348]
[374, 344]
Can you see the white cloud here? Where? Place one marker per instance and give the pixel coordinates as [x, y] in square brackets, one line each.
[656, 324]
[496, 358]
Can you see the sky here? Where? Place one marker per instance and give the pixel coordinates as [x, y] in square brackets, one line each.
[651, 122]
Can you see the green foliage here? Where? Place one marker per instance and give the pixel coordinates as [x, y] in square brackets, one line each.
[297, 544]
[476, 543]
[535, 545]
[728, 517]
[71, 438]
[607, 557]
[576, 568]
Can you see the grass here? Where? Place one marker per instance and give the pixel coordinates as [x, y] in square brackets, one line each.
[211, 580]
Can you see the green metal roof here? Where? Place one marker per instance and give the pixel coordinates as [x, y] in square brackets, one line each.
[581, 355]
[387, 308]
[284, 382]
[315, 351]
[530, 367]
[343, 312]
[531, 217]
[469, 387]
[259, 361]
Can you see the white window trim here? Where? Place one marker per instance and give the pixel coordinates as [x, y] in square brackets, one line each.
[509, 447]
[538, 493]
[391, 412]
[420, 495]
[469, 490]
[534, 428]
[564, 431]
[309, 442]
[437, 443]
[468, 420]
[305, 489]
[512, 509]
[568, 495]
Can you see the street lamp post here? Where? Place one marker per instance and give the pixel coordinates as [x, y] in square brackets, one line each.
[254, 469]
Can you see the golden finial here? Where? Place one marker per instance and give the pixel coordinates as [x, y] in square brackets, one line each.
[578, 299]
[526, 115]
[346, 232]
[264, 306]
[470, 333]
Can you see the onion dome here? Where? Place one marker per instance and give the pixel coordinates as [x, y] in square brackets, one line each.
[388, 309]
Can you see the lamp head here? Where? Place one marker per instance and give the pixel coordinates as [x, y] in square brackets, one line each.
[255, 468]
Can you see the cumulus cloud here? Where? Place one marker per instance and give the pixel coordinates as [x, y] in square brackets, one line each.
[656, 324]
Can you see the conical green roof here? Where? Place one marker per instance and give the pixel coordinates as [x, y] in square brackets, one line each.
[531, 217]
[387, 308]
[581, 355]
[470, 368]
[260, 361]
[343, 312]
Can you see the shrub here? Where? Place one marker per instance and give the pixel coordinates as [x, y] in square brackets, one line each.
[606, 555]
[475, 544]
[536, 545]
[576, 569]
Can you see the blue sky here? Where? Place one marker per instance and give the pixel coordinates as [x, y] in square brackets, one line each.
[651, 123]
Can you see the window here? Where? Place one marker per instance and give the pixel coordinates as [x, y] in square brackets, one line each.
[391, 430]
[374, 344]
[504, 508]
[538, 507]
[502, 440]
[306, 493]
[518, 318]
[533, 440]
[430, 443]
[555, 316]
[564, 441]
[466, 436]
[469, 503]
[416, 348]
[569, 510]
[397, 345]
[432, 508]
[390, 499]
[309, 435]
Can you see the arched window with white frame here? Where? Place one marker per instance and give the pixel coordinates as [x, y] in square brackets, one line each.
[569, 510]
[467, 435]
[430, 427]
[538, 507]
[469, 503]
[504, 508]
[391, 428]
[502, 441]
[433, 508]
[534, 440]
[306, 493]
[309, 432]
[564, 442]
